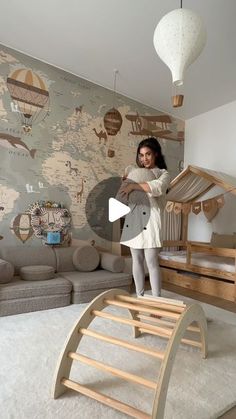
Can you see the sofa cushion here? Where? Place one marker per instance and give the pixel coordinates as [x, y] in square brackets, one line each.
[222, 240]
[64, 259]
[6, 271]
[18, 289]
[86, 258]
[112, 263]
[23, 255]
[37, 272]
[99, 279]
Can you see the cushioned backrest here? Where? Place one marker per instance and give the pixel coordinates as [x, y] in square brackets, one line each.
[112, 263]
[6, 271]
[28, 255]
[223, 240]
[64, 257]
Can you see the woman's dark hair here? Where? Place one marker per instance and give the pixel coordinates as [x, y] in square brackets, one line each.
[154, 145]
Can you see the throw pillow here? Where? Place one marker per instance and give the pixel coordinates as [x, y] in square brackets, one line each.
[6, 271]
[112, 263]
[86, 258]
[37, 272]
[222, 240]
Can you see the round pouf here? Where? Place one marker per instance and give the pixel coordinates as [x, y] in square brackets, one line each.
[86, 258]
[6, 271]
[37, 272]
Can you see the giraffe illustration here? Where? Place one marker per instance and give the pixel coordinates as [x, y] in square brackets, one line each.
[101, 135]
[79, 194]
[72, 169]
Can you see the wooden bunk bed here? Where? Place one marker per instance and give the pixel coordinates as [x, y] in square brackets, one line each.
[199, 266]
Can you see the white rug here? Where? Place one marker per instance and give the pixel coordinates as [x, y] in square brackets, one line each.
[30, 345]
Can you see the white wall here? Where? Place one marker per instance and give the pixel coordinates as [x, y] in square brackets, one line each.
[211, 143]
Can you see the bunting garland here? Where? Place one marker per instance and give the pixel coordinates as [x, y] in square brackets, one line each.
[210, 207]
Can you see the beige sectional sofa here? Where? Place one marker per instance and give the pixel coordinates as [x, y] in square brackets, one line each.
[72, 280]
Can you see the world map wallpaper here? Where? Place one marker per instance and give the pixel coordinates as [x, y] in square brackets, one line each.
[60, 135]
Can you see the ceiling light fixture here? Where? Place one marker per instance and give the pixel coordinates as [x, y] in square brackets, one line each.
[179, 39]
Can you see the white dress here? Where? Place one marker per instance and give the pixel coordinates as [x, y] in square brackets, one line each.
[151, 235]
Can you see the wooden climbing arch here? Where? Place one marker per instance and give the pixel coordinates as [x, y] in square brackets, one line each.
[168, 319]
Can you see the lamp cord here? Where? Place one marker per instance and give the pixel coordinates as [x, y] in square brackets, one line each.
[181, 4]
[114, 87]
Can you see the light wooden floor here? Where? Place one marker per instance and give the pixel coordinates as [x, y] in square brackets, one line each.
[218, 302]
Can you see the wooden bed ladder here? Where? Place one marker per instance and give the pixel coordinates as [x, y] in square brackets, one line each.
[168, 319]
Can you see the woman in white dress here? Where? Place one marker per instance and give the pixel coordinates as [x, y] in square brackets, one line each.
[147, 243]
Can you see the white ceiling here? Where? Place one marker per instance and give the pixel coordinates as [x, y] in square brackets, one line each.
[91, 38]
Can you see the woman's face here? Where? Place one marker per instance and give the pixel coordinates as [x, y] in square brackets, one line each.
[147, 157]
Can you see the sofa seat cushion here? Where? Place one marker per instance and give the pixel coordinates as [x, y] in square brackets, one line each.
[99, 279]
[86, 258]
[37, 272]
[19, 289]
[6, 271]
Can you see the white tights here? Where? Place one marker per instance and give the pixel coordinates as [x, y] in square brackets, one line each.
[151, 257]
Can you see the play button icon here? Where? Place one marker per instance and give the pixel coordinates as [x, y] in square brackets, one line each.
[116, 210]
[103, 210]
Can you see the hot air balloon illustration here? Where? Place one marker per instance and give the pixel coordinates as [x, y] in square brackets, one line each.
[112, 121]
[30, 97]
[21, 227]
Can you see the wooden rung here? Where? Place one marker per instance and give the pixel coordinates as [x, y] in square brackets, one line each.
[147, 327]
[115, 371]
[123, 343]
[166, 323]
[108, 401]
[183, 340]
[138, 307]
[152, 303]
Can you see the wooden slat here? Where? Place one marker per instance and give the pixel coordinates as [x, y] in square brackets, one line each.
[215, 273]
[108, 401]
[207, 286]
[114, 371]
[137, 307]
[152, 303]
[166, 323]
[186, 341]
[123, 343]
[148, 327]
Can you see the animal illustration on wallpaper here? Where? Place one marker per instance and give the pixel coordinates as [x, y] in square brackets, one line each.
[79, 109]
[29, 92]
[156, 125]
[21, 227]
[9, 141]
[79, 194]
[71, 169]
[30, 188]
[102, 135]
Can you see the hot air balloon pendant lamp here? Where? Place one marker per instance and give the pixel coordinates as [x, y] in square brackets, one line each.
[113, 119]
[179, 39]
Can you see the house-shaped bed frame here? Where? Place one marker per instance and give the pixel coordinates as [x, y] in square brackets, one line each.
[188, 187]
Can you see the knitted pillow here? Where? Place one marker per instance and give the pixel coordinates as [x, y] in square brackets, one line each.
[86, 258]
[6, 271]
[37, 272]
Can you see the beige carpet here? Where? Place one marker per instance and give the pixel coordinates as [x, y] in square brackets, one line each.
[30, 345]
